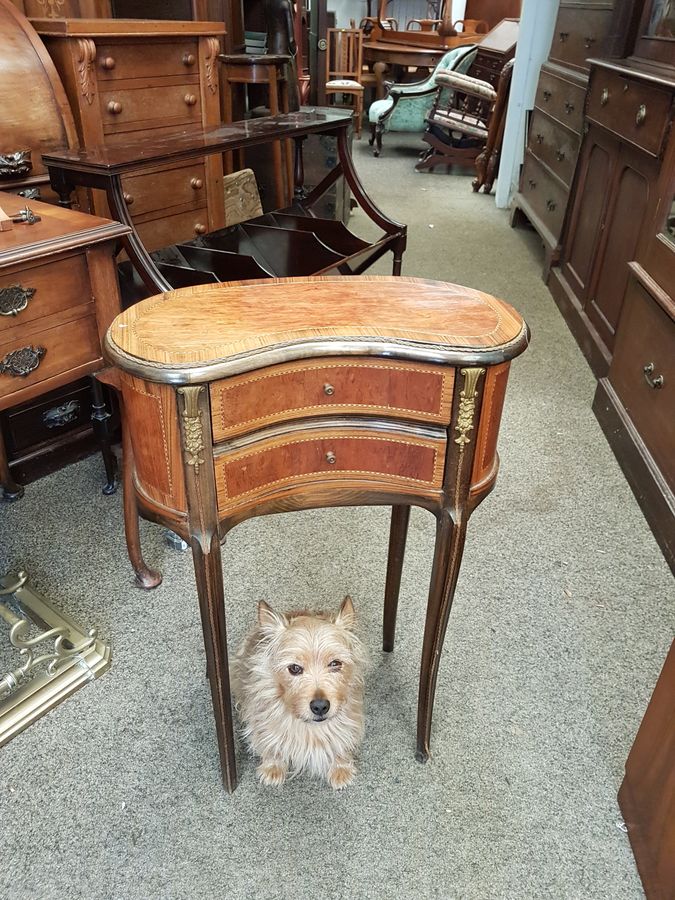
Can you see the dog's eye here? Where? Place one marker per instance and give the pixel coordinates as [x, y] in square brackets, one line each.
[295, 669]
[335, 664]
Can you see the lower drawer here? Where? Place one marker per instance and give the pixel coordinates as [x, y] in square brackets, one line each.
[50, 417]
[545, 195]
[643, 374]
[358, 458]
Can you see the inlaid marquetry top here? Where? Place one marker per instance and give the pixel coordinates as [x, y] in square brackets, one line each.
[207, 332]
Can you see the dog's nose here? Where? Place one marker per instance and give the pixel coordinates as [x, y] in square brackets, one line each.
[319, 706]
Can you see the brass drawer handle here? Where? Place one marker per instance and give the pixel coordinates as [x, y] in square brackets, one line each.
[189, 59]
[14, 299]
[128, 199]
[569, 107]
[58, 416]
[114, 107]
[197, 184]
[641, 115]
[547, 96]
[108, 63]
[200, 229]
[588, 42]
[604, 97]
[550, 205]
[22, 362]
[563, 36]
[540, 137]
[532, 183]
[648, 371]
[328, 389]
[190, 99]
[330, 458]
[560, 155]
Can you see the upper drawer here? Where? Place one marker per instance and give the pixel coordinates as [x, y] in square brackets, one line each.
[33, 292]
[554, 145]
[561, 99]
[579, 33]
[363, 458]
[637, 112]
[145, 59]
[643, 374]
[167, 105]
[164, 188]
[328, 386]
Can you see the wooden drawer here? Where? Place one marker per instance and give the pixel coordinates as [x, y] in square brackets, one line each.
[45, 289]
[143, 59]
[646, 337]
[554, 145]
[363, 457]
[52, 416]
[326, 387]
[162, 232]
[544, 194]
[561, 99]
[66, 345]
[165, 187]
[579, 33]
[146, 107]
[638, 113]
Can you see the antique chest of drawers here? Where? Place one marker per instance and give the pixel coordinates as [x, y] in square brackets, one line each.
[58, 294]
[494, 51]
[127, 79]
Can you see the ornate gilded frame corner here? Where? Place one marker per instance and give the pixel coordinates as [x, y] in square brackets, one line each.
[56, 656]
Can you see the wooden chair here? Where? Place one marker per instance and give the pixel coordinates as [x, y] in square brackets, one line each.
[344, 68]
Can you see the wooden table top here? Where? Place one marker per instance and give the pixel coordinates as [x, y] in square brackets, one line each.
[209, 331]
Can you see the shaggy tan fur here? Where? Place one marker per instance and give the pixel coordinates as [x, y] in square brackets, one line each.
[285, 664]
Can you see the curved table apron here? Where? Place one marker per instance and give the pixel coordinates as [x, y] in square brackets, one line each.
[258, 397]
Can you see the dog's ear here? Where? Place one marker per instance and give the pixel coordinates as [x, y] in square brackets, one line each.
[270, 621]
[346, 617]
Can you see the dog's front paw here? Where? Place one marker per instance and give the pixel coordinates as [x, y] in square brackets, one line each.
[272, 772]
[341, 775]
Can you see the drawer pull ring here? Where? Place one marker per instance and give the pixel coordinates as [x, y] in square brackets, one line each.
[58, 416]
[569, 107]
[563, 36]
[641, 114]
[108, 63]
[200, 229]
[330, 458]
[197, 184]
[189, 59]
[328, 389]
[128, 199]
[22, 362]
[655, 383]
[604, 97]
[540, 138]
[115, 107]
[550, 205]
[190, 99]
[14, 299]
[547, 96]
[532, 183]
[560, 155]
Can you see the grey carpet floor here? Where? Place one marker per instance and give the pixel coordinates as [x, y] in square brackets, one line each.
[562, 620]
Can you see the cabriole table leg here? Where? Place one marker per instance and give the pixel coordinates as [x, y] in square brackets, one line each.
[400, 516]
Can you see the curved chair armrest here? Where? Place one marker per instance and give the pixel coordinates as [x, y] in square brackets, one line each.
[418, 89]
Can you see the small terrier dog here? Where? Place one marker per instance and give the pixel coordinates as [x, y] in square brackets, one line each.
[298, 686]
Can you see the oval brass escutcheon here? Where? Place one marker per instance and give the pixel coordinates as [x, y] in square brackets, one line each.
[604, 97]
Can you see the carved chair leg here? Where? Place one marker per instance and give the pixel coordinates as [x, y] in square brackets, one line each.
[371, 139]
[209, 578]
[10, 489]
[100, 420]
[399, 248]
[447, 559]
[146, 577]
[400, 516]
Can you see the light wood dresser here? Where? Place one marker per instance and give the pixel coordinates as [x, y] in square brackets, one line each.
[250, 398]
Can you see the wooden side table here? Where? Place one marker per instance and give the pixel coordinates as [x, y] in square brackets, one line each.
[250, 398]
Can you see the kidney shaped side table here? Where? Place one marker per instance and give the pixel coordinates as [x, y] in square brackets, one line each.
[258, 397]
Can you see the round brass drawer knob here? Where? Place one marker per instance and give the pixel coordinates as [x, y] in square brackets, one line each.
[108, 62]
[189, 59]
[114, 107]
[330, 458]
[190, 99]
[328, 389]
[200, 229]
[197, 184]
[128, 199]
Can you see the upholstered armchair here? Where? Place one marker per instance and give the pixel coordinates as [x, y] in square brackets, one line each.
[407, 106]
